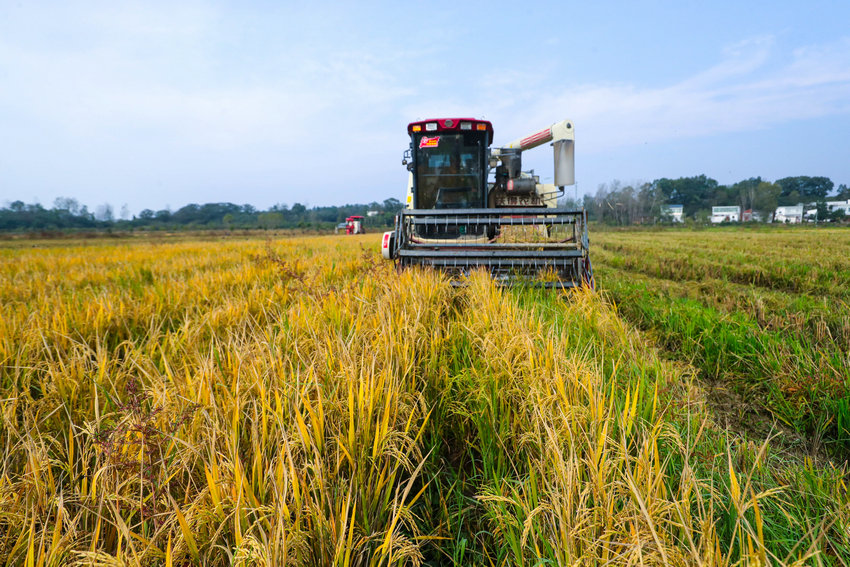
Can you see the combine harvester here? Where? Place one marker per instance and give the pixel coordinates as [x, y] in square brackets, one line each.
[458, 218]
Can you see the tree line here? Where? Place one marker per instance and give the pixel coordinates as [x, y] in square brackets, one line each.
[68, 214]
[613, 203]
[618, 204]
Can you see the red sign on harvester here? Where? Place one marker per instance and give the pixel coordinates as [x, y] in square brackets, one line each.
[427, 142]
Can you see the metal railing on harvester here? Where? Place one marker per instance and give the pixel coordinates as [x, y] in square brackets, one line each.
[546, 246]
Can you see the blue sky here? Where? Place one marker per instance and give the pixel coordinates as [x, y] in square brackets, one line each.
[162, 104]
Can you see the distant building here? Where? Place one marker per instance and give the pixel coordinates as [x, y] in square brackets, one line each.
[839, 206]
[372, 213]
[725, 214]
[750, 215]
[675, 212]
[792, 214]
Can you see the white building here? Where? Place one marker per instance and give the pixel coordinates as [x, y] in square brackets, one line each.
[792, 214]
[839, 206]
[675, 212]
[730, 213]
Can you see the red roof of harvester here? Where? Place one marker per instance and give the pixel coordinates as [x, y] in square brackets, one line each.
[452, 125]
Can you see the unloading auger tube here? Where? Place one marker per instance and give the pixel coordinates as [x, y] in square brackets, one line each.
[470, 206]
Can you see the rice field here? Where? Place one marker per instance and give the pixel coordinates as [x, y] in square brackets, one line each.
[765, 314]
[295, 401]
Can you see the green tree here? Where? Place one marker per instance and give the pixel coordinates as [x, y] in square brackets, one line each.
[694, 193]
[822, 211]
[271, 220]
[745, 192]
[392, 205]
[837, 215]
[105, 213]
[66, 204]
[807, 188]
[765, 199]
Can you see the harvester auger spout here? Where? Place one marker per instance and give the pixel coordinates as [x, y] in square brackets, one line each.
[470, 206]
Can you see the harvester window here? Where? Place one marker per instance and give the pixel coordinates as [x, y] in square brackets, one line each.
[449, 172]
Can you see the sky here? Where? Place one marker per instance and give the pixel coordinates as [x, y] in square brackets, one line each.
[161, 104]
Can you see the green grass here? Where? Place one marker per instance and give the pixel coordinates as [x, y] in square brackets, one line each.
[785, 351]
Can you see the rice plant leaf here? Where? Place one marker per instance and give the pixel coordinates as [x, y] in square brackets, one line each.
[186, 531]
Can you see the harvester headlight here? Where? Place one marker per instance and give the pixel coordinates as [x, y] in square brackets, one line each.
[480, 126]
[417, 128]
[431, 126]
[466, 125]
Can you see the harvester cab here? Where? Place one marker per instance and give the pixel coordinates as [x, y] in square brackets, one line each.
[470, 206]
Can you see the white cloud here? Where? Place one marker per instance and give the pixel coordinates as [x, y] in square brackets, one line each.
[185, 87]
[167, 85]
[746, 91]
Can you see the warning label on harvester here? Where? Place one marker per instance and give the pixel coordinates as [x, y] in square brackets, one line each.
[427, 142]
